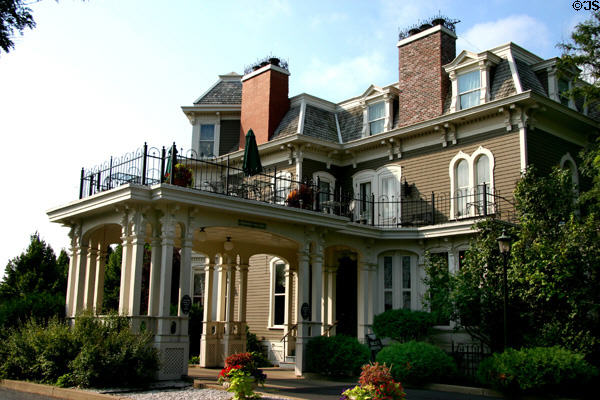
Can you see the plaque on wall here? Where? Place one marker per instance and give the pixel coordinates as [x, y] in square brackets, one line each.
[186, 304]
[305, 311]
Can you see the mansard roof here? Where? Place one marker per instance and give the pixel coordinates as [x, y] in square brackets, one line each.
[227, 90]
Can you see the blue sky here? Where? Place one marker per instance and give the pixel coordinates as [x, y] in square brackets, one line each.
[98, 78]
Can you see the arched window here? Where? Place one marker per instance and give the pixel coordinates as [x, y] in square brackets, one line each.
[462, 187]
[482, 177]
[278, 293]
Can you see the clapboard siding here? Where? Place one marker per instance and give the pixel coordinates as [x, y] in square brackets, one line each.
[545, 150]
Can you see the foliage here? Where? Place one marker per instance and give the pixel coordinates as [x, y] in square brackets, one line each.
[38, 352]
[590, 169]
[34, 285]
[182, 176]
[93, 353]
[195, 360]
[247, 362]
[241, 384]
[34, 271]
[374, 374]
[402, 325]
[375, 383]
[583, 52]
[437, 280]
[15, 15]
[336, 355]
[417, 362]
[553, 273]
[300, 197]
[253, 346]
[112, 279]
[539, 369]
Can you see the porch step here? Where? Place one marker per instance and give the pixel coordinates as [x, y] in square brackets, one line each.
[288, 363]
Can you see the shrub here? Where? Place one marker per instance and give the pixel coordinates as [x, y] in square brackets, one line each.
[336, 355]
[93, 353]
[417, 362]
[253, 346]
[538, 369]
[402, 325]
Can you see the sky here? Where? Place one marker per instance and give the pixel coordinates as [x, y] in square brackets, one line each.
[100, 77]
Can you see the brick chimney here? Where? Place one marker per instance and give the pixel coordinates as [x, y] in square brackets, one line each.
[264, 101]
[423, 82]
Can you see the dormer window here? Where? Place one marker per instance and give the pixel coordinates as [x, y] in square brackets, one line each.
[207, 141]
[376, 118]
[469, 89]
[563, 88]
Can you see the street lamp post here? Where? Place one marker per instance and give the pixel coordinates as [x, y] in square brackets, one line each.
[504, 246]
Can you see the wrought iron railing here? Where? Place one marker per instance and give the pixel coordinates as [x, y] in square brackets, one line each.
[150, 165]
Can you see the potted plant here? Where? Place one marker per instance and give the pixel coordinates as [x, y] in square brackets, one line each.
[274, 61]
[375, 383]
[182, 176]
[240, 371]
[300, 198]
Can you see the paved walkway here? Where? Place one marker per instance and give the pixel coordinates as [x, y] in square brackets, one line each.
[285, 383]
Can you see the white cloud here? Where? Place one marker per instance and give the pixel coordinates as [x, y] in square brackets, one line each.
[347, 78]
[523, 30]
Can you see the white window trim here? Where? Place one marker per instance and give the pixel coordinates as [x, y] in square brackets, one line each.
[481, 63]
[323, 176]
[382, 95]
[272, 263]
[397, 290]
[197, 122]
[574, 174]
[287, 176]
[471, 162]
[374, 177]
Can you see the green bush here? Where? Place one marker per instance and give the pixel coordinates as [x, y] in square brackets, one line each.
[402, 325]
[93, 353]
[538, 369]
[417, 362]
[42, 306]
[336, 355]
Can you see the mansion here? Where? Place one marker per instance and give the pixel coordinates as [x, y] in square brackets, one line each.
[351, 197]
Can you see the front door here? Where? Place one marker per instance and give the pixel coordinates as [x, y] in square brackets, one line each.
[346, 297]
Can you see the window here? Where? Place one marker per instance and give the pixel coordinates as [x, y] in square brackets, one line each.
[326, 183]
[468, 175]
[366, 198]
[278, 291]
[199, 278]
[469, 86]
[384, 186]
[462, 190]
[207, 141]
[282, 186]
[395, 279]
[325, 193]
[563, 88]
[376, 118]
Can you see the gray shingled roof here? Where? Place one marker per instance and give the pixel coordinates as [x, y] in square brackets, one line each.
[320, 124]
[289, 123]
[529, 80]
[224, 92]
[502, 83]
[351, 122]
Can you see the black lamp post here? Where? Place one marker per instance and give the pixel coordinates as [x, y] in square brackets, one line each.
[504, 246]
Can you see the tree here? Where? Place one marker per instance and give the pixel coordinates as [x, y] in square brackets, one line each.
[112, 279]
[553, 273]
[34, 285]
[15, 15]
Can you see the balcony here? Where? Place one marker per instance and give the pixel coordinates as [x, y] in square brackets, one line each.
[150, 166]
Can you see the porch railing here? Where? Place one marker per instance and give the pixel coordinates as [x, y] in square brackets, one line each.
[408, 208]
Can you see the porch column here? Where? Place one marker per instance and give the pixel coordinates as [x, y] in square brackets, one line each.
[79, 286]
[100, 269]
[136, 265]
[221, 288]
[287, 313]
[243, 296]
[166, 274]
[208, 347]
[363, 300]
[154, 286]
[331, 294]
[70, 303]
[185, 270]
[317, 293]
[125, 266]
[303, 298]
[371, 296]
[90, 277]
[230, 342]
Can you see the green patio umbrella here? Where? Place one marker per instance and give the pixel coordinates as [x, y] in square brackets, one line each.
[251, 165]
[169, 169]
